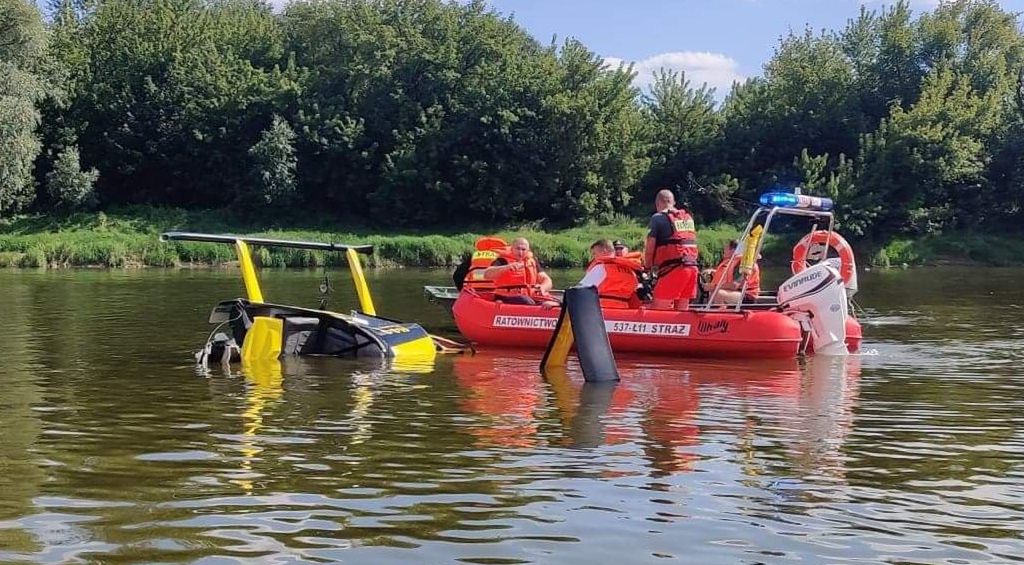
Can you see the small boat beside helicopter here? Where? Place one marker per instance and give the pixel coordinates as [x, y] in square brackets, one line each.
[258, 331]
[811, 312]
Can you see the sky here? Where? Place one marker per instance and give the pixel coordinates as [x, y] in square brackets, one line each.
[714, 41]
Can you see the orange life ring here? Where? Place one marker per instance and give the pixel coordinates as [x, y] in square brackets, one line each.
[814, 247]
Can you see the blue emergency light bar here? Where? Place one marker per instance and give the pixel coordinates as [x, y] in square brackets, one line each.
[790, 200]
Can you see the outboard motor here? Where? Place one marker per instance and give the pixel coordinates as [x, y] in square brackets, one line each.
[816, 298]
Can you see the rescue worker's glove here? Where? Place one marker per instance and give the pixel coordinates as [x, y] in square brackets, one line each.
[645, 290]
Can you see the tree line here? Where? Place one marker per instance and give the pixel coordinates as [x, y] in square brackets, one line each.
[430, 113]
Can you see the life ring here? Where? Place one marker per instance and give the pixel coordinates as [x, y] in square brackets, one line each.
[814, 247]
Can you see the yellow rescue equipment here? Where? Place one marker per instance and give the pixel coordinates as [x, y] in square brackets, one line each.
[262, 331]
[750, 247]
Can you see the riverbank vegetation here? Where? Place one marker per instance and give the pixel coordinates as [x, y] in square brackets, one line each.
[425, 116]
[961, 248]
[130, 237]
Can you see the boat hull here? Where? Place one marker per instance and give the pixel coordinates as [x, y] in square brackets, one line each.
[692, 333]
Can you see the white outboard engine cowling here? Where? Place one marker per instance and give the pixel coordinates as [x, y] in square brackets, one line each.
[816, 298]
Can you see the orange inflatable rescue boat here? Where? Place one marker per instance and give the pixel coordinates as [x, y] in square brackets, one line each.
[811, 312]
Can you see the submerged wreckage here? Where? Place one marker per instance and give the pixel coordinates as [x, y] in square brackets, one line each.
[258, 330]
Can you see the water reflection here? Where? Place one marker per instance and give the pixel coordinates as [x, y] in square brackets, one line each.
[506, 392]
[20, 427]
[264, 381]
[825, 415]
[583, 408]
[657, 408]
[111, 448]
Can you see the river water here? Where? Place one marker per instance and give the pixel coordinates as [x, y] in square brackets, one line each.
[114, 449]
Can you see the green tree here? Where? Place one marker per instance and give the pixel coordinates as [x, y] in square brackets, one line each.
[927, 106]
[1006, 173]
[70, 187]
[744, 148]
[803, 100]
[884, 52]
[977, 39]
[928, 164]
[22, 42]
[836, 179]
[22, 36]
[273, 164]
[166, 96]
[685, 129]
[594, 134]
[980, 41]
[419, 110]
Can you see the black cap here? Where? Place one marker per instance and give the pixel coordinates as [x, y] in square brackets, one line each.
[618, 243]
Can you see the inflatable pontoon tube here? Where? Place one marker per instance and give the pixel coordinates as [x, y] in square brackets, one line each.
[581, 322]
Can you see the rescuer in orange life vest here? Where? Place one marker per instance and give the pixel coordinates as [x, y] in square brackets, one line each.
[729, 286]
[518, 277]
[614, 275]
[671, 250]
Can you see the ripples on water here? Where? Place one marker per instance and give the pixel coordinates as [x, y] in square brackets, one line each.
[113, 450]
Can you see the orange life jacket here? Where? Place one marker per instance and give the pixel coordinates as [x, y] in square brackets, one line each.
[680, 249]
[518, 283]
[618, 289]
[753, 282]
[486, 251]
[725, 273]
[725, 270]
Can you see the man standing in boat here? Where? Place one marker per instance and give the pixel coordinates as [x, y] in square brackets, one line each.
[671, 252]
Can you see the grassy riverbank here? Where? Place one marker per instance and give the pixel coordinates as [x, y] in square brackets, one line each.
[954, 248]
[129, 238]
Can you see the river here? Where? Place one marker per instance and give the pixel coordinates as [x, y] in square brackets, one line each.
[113, 448]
